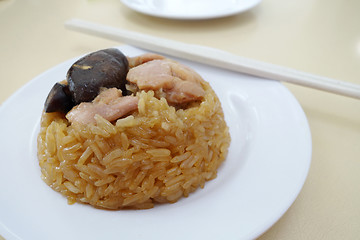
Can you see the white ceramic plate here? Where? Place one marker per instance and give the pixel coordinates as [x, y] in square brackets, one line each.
[268, 162]
[190, 9]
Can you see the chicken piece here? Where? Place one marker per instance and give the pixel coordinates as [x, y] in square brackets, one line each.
[109, 104]
[138, 60]
[179, 83]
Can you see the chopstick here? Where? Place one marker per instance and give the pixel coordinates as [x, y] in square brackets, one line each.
[215, 57]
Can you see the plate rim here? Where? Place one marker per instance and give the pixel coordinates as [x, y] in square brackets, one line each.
[238, 8]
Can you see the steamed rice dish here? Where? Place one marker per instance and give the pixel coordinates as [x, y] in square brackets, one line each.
[130, 132]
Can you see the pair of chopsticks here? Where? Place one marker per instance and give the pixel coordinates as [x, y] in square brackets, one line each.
[216, 57]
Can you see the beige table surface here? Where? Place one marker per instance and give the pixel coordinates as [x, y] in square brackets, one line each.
[317, 36]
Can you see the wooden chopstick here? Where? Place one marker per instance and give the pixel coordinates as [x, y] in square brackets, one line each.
[215, 57]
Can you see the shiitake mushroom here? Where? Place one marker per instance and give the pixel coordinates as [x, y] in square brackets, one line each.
[59, 99]
[105, 68]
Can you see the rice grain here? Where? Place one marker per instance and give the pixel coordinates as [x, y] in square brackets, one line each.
[156, 155]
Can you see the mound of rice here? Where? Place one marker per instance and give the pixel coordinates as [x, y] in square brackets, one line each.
[156, 155]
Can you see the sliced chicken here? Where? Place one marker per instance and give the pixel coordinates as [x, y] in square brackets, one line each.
[110, 104]
[138, 60]
[179, 83]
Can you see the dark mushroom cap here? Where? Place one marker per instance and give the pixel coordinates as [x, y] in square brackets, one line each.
[105, 68]
[59, 99]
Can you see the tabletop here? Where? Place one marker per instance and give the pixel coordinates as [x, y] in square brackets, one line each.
[316, 36]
